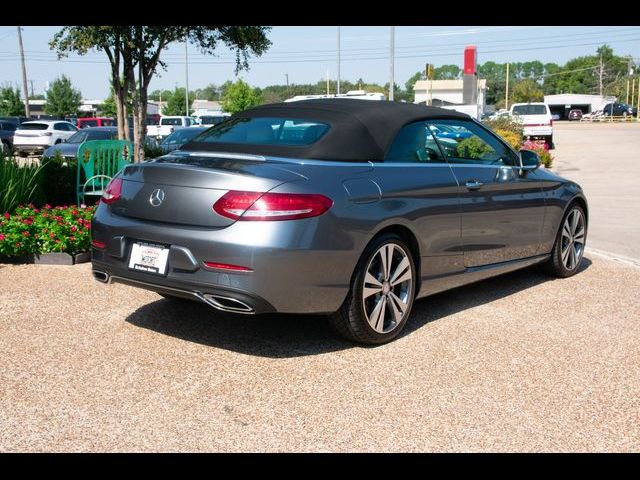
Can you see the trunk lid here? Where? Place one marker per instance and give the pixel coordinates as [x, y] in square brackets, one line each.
[181, 188]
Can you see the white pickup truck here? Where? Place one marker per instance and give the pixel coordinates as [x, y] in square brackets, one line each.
[168, 125]
[536, 119]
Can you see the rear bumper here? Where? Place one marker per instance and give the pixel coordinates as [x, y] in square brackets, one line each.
[297, 266]
[538, 131]
[28, 147]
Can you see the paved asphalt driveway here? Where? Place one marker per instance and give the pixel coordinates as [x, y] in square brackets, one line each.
[605, 159]
[519, 362]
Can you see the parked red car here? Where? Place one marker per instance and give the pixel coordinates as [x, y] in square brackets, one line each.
[85, 122]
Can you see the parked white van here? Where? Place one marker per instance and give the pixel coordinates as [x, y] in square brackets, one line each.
[536, 119]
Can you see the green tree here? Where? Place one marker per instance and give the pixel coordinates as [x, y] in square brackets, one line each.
[526, 90]
[10, 103]
[447, 72]
[134, 55]
[62, 99]
[176, 103]
[240, 96]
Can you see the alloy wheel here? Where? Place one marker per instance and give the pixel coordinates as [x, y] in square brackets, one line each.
[386, 296]
[573, 236]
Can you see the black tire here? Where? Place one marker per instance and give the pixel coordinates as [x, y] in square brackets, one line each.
[350, 321]
[6, 149]
[549, 140]
[22, 154]
[555, 266]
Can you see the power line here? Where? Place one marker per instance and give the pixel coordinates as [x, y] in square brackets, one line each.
[331, 52]
[307, 60]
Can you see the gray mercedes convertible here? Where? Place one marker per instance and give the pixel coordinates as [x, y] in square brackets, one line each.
[344, 207]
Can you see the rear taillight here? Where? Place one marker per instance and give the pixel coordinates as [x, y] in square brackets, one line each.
[113, 191]
[98, 244]
[551, 122]
[255, 206]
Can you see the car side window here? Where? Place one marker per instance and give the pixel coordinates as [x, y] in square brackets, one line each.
[414, 143]
[463, 141]
[59, 126]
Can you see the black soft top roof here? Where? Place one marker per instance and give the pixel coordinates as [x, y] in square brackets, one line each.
[361, 130]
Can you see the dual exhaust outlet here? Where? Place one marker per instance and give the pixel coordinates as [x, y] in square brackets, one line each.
[225, 304]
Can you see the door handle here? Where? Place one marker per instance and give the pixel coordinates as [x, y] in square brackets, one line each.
[473, 184]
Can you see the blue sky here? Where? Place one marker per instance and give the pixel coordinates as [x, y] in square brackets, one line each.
[306, 53]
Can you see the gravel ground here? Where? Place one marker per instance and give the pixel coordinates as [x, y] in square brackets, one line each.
[517, 363]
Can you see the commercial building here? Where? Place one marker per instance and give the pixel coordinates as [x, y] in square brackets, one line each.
[562, 104]
[466, 95]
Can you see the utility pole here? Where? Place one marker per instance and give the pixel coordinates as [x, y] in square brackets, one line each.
[506, 94]
[24, 76]
[338, 61]
[31, 82]
[327, 82]
[287, 75]
[629, 73]
[186, 71]
[601, 73]
[391, 58]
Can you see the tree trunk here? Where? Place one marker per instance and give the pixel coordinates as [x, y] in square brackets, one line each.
[141, 120]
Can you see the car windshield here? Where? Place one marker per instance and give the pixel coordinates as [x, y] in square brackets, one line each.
[88, 123]
[85, 135]
[211, 120]
[181, 136]
[34, 126]
[530, 110]
[171, 121]
[265, 131]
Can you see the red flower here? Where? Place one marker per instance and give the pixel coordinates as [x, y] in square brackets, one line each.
[72, 238]
[47, 206]
[6, 215]
[18, 244]
[1, 237]
[36, 210]
[74, 228]
[58, 217]
[25, 233]
[28, 221]
[52, 235]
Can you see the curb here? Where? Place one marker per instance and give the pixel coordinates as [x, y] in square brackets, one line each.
[614, 256]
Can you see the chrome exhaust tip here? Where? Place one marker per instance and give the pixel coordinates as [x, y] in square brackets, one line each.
[226, 304]
[101, 276]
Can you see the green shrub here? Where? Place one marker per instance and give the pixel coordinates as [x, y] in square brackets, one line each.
[505, 123]
[152, 151]
[31, 230]
[472, 147]
[19, 185]
[59, 179]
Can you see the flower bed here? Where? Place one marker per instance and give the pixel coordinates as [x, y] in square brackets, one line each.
[34, 232]
[542, 149]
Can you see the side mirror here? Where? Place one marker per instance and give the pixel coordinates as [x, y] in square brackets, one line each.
[529, 160]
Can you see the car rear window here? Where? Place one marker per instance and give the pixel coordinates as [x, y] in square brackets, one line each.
[171, 121]
[530, 110]
[34, 126]
[265, 131]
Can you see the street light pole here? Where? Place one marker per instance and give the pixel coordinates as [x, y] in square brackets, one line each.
[338, 89]
[391, 59]
[24, 75]
[186, 71]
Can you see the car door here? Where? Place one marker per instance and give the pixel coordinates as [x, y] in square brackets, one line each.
[418, 186]
[502, 210]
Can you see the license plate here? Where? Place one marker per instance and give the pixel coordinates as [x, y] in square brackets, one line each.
[150, 258]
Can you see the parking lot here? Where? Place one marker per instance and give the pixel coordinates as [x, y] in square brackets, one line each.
[603, 158]
[517, 363]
